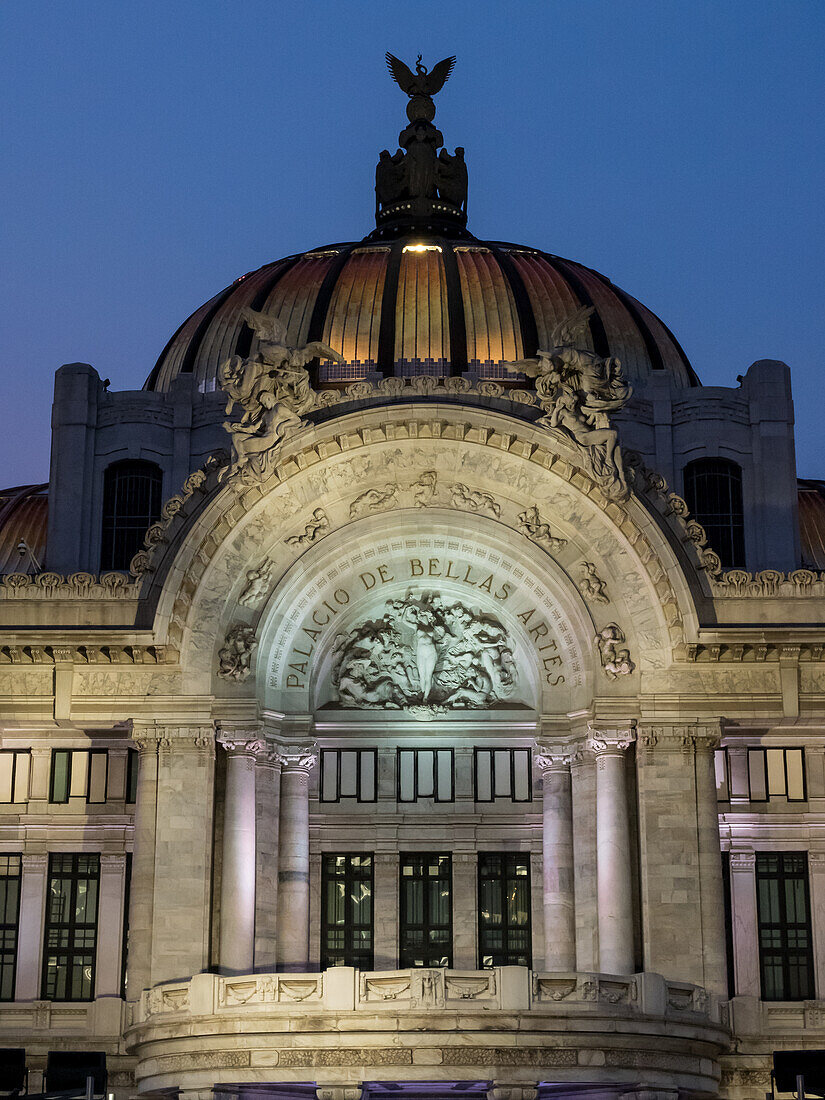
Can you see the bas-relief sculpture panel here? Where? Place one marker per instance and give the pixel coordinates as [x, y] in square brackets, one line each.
[579, 530]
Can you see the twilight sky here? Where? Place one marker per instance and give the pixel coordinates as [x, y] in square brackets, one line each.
[154, 151]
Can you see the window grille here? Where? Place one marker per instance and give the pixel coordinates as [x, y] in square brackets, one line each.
[425, 773]
[131, 504]
[9, 922]
[426, 910]
[784, 914]
[504, 925]
[502, 773]
[15, 767]
[776, 774]
[70, 941]
[349, 773]
[713, 493]
[347, 911]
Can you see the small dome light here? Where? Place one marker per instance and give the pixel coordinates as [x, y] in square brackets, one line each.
[421, 248]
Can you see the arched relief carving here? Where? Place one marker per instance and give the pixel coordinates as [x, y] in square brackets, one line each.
[474, 574]
[237, 527]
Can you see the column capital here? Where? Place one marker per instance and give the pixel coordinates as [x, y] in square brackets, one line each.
[610, 742]
[241, 740]
[166, 735]
[743, 861]
[298, 758]
[112, 862]
[553, 757]
[34, 862]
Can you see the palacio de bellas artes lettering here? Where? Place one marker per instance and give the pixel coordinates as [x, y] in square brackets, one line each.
[424, 696]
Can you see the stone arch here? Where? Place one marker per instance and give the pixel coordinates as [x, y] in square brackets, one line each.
[490, 469]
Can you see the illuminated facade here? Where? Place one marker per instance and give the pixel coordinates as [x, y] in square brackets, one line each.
[404, 757]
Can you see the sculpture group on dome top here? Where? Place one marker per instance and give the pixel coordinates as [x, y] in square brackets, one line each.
[423, 652]
[272, 387]
[577, 389]
[417, 170]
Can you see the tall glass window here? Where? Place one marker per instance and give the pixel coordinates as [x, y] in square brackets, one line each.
[784, 913]
[71, 927]
[346, 911]
[9, 919]
[426, 910]
[504, 909]
[14, 775]
[713, 493]
[131, 504]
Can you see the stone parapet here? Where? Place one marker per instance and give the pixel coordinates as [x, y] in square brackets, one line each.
[424, 1025]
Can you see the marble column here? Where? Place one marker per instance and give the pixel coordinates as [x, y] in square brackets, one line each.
[34, 874]
[267, 815]
[110, 924]
[385, 910]
[293, 863]
[711, 893]
[465, 910]
[553, 762]
[613, 850]
[237, 939]
[816, 878]
[745, 923]
[142, 889]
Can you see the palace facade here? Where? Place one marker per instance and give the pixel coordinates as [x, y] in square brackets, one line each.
[416, 689]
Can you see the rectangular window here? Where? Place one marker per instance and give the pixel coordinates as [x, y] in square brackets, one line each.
[784, 914]
[720, 758]
[776, 773]
[504, 934]
[346, 911]
[9, 920]
[71, 928]
[349, 773]
[15, 765]
[502, 773]
[131, 775]
[79, 773]
[425, 773]
[426, 910]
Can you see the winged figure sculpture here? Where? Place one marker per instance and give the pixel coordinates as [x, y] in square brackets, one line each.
[422, 81]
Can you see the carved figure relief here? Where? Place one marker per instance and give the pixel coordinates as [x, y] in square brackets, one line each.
[424, 489]
[533, 526]
[317, 527]
[423, 652]
[577, 389]
[257, 583]
[272, 388]
[235, 655]
[374, 500]
[591, 585]
[474, 499]
[615, 660]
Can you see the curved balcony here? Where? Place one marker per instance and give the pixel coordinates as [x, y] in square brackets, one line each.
[345, 1026]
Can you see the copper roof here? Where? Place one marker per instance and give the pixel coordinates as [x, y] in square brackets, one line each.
[812, 522]
[24, 514]
[422, 305]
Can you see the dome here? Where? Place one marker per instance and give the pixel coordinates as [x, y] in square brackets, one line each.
[421, 304]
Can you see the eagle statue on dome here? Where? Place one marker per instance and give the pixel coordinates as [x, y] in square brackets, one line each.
[272, 387]
[576, 389]
[422, 82]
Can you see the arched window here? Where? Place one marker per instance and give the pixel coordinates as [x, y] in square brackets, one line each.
[131, 504]
[713, 492]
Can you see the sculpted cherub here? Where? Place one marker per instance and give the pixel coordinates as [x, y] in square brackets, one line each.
[577, 389]
[272, 388]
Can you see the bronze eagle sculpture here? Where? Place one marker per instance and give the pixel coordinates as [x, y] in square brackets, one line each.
[421, 82]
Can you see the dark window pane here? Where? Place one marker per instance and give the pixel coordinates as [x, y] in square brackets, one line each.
[9, 916]
[713, 492]
[783, 907]
[426, 932]
[71, 927]
[346, 911]
[504, 909]
[131, 504]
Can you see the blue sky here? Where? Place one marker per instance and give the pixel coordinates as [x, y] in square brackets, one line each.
[154, 151]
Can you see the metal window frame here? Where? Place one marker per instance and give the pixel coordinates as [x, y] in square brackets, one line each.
[357, 797]
[403, 924]
[69, 954]
[124, 943]
[15, 925]
[727, 898]
[505, 927]
[511, 796]
[782, 877]
[15, 753]
[116, 520]
[724, 749]
[361, 959]
[132, 766]
[763, 749]
[436, 795]
[52, 799]
[732, 522]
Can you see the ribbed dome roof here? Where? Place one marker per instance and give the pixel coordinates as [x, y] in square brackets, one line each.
[421, 305]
